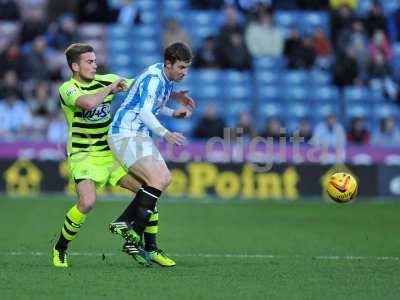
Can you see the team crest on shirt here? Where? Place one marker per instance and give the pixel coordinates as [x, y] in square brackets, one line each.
[98, 113]
[71, 91]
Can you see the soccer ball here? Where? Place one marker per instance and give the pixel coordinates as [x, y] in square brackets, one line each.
[341, 187]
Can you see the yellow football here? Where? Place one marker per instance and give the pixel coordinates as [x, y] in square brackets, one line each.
[341, 187]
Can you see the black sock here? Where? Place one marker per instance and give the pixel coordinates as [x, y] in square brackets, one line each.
[129, 212]
[62, 243]
[150, 242]
[145, 203]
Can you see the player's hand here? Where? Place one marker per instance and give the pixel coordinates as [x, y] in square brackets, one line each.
[184, 99]
[182, 112]
[175, 138]
[119, 85]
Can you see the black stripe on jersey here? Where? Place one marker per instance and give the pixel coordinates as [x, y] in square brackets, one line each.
[89, 135]
[91, 125]
[78, 114]
[106, 148]
[103, 82]
[62, 100]
[92, 87]
[80, 145]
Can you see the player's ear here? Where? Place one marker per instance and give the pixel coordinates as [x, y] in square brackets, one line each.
[168, 64]
[75, 67]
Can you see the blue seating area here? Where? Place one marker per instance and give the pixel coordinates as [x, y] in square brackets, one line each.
[269, 90]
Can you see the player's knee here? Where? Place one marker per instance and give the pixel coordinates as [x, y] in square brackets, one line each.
[86, 203]
[160, 180]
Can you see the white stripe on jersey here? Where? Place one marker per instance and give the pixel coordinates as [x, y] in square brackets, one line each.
[151, 89]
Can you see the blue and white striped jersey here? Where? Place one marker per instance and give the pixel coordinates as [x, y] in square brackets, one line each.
[149, 93]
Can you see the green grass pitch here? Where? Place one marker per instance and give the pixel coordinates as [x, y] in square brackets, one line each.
[227, 250]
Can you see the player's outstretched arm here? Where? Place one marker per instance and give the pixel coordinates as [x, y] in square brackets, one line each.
[89, 102]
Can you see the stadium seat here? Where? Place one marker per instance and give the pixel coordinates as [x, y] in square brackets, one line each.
[291, 78]
[267, 77]
[358, 109]
[269, 63]
[383, 110]
[323, 94]
[356, 93]
[297, 109]
[268, 92]
[292, 93]
[321, 110]
[268, 109]
[319, 78]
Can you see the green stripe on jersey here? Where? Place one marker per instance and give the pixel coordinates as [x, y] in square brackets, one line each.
[87, 129]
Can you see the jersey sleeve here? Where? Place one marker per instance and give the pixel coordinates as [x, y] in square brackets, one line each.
[69, 93]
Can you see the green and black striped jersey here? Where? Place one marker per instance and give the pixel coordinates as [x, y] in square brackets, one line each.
[87, 129]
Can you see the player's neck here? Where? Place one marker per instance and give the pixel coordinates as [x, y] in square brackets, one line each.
[80, 79]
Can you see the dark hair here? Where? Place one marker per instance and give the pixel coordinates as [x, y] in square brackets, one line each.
[178, 51]
[74, 51]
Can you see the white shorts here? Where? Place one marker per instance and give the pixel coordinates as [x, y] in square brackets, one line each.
[129, 149]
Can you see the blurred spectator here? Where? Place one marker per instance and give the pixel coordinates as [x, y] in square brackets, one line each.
[10, 59]
[304, 131]
[65, 34]
[313, 4]
[35, 64]
[341, 19]
[33, 25]
[232, 25]
[387, 135]
[329, 134]
[380, 44]
[174, 33]
[15, 117]
[380, 77]
[292, 42]
[262, 29]
[356, 39]
[345, 70]
[375, 19]
[358, 133]
[42, 104]
[337, 3]
[129, 14]
[273, 129]
[94, 11]
[55, 9]
[57, 131]
[206, 4]
[210, 125]
[236, 55]
[206, 55]
[10, 85]
[321, 44]
[322, 47]
[304, 56]
[9, 10]
[244, 128]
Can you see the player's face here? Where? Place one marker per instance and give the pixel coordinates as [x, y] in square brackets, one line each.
[87, 66]
[178, 70]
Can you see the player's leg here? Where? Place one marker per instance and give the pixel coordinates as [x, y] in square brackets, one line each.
[151, 230]
[74, 219]
[133, 153]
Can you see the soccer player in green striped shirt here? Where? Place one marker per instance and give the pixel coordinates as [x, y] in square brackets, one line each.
[85, 100]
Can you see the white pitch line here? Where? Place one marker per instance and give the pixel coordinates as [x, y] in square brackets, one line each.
[209, 255]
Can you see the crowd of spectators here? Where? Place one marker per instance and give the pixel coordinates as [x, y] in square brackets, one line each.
[357, 51]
